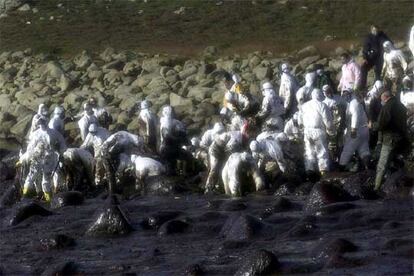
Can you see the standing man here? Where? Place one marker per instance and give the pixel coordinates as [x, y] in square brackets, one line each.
[392, 125]
[394, 68]
[351, 74]
[373, 54]
[287, 89]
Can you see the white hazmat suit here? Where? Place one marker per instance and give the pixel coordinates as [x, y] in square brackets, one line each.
[317, 121]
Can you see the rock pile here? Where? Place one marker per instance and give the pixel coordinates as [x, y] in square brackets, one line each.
[119, 80]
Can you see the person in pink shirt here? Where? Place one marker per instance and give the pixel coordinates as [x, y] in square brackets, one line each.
[351, 74]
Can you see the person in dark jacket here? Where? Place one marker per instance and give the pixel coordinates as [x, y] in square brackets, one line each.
[323, 78]
[392, 127]
[373, 54]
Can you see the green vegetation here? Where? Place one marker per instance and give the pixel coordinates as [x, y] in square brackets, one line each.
[233, 26]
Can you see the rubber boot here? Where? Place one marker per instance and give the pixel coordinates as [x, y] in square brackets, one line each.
[366, 161]
[47, 196]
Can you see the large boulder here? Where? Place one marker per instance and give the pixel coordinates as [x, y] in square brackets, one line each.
[70, 198]
[324, 193]
[260, 262]
[240, 228]
[262, 72]
[177, 101]
[20, 129]
[27, 210]
[111, 221]
[9, 5]
[200, 93]
[307, 51]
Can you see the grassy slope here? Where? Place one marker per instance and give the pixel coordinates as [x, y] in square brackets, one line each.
[236, 26]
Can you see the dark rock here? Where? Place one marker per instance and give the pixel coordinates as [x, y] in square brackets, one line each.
[390, 225]
[261, 262]
[282, 204]
[285, 189]
[59, 241]
[67, 199]
[173, 227]
[339, 261]
[360, 185]
[193, 270]
[395, 244]
[27, 210]
[330, 248]
[398, 185]
[159, 185]
[10, 196]
[301, 229]
[240, 227]
[111, 221]
[154, 221]
[234, 244]
[324, 193]
[304, 189]
[61, 269]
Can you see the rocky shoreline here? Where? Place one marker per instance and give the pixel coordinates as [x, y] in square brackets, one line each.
[120, 80]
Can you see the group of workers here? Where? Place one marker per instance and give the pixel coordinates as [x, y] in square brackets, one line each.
[332, 125]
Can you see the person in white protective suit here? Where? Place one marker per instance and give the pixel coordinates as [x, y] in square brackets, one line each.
[223, 145]
[304, 93]
[394, 67]
[121, 142]
[148, 121]
[317, 122]
[77, 171]
[43, 153]
[173, 136]
[356, 134]
[56, 122]
[272, 105]
[87, 119]
[292, 129]
[407, 92]
[333, 102]
[103, 116]
[411, 40]
[287, 89]
[95, 138]
[209, 135]
[232, 84]
[272, 129]
[235, 174]
[146, 167]
[41, 113]
[237, 103]
[268, 150]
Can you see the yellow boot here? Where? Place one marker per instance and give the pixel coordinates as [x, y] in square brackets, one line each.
[48, 196]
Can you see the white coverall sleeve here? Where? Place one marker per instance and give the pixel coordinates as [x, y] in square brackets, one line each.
[327, 118]
[355, 113]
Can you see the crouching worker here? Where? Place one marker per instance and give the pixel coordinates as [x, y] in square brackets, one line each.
[43, 153]
[121, 142]
[77, 171]
[237, 174]
[146, 167]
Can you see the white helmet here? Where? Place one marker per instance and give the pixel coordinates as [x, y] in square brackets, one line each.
[254, 146]
[267, 85]
[285, 67]
[93, 128]
[167, 111]
[145, 104]
[236, 78]
[58, 110]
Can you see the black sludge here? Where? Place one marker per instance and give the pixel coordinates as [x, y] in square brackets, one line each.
[111, 221]
[261, 262]
[28, 210]
[59, 241]
[67, 199]
[173, 227]
[10, 196]
[61, 269]
[241, 227]
[325, 193]
[155, 220]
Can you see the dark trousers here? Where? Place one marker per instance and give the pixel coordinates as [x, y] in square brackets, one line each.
[377, 65]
